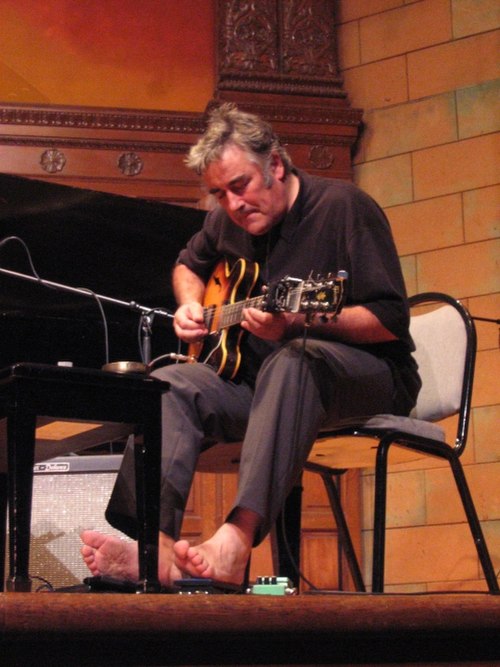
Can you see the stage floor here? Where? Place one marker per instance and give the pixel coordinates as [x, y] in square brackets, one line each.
[101, 629]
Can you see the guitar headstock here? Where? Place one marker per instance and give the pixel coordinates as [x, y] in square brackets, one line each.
[314, 296]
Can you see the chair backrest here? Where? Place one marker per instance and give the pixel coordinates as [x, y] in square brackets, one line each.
[445, 340]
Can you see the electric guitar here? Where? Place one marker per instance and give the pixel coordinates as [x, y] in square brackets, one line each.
[228, 293]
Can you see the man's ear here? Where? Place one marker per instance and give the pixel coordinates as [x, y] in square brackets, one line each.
[277, 167]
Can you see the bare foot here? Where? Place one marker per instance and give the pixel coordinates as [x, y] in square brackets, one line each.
[223, 557]
[109, 555]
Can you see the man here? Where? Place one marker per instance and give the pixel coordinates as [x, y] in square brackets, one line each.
[288, 386]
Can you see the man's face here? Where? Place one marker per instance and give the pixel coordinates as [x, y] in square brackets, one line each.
[240, 188]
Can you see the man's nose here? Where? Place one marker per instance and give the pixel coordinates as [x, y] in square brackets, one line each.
[234, 201]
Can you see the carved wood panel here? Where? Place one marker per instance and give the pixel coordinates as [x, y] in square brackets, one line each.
[270, 46]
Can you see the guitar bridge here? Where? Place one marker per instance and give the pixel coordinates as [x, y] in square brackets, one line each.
[313, 297]
[283, 296]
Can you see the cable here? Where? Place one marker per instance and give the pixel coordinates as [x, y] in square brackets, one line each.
[291, 558]
[16, 238]
[492, 320]
[296, 425]
[104, 321]
[45, 585]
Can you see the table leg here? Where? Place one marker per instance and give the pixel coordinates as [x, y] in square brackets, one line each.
[148, 469]
[21, 453]
[3, 523]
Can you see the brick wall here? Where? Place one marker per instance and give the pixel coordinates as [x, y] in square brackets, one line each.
[426, 74]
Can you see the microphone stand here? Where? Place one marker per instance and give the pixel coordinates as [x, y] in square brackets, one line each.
[146, 328]
[146, 312]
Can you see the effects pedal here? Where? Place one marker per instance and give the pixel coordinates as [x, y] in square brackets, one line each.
[272, 586]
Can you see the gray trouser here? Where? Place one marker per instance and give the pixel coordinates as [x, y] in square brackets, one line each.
[295, 396]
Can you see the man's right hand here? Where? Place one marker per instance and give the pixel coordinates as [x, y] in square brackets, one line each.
[189, 324]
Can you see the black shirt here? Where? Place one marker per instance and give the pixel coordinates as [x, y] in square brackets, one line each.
[332, 226]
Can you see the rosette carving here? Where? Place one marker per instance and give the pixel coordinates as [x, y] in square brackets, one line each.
[52, 160]
[130, 164]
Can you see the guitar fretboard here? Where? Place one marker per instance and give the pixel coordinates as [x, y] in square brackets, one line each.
[230, 313]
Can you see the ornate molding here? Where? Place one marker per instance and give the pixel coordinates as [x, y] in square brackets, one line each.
[95, 144]
[100, 119]
[315, 139]
[309, 114]
[50, 117]
[271, 46]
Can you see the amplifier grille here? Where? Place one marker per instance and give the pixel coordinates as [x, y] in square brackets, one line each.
[69, 494]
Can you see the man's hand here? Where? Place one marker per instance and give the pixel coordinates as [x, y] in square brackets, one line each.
[355, 325]
[189, 324]
[269, 326]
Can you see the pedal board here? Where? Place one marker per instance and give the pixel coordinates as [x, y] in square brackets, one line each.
[192, 586]
[201, 586]
[106, 584]
[262, 586]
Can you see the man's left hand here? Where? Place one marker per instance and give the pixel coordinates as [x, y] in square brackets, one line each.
[269, 326]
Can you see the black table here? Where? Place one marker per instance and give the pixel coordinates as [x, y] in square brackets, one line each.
[28, 391]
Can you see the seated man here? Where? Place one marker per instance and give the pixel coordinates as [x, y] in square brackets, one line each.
[286, 386]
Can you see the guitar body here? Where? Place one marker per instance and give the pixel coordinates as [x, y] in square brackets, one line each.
[227, 285]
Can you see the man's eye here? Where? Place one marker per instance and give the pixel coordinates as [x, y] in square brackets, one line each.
[239, 188]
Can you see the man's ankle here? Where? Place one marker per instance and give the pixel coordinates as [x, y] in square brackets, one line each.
[247, 522]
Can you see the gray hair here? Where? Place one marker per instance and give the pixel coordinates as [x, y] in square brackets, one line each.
[228, 125]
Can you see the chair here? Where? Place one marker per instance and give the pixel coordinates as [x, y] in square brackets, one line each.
[445, 340]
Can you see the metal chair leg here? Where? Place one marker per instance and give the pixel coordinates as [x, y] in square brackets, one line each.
[475, 526]
[379, 520]
[343, 531]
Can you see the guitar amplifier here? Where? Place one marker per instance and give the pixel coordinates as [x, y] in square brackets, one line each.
[70, 493]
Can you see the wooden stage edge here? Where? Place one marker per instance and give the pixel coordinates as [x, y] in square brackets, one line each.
[102, 629]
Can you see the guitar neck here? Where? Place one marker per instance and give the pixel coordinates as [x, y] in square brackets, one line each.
[230, 313]
[291, 295]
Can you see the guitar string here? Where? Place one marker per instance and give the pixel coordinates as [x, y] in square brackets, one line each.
[230, 310]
